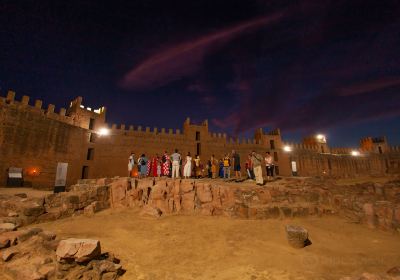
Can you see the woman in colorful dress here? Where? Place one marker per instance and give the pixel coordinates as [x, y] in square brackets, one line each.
[197, 167]
[165, 164]
[153, 166]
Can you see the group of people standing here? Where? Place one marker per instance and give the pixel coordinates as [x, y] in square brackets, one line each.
[176, 166]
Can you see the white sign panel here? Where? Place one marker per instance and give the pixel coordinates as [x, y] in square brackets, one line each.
[294, 166]
[14, 172]
[61, 175]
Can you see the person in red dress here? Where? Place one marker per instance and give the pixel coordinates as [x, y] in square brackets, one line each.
[153, 166]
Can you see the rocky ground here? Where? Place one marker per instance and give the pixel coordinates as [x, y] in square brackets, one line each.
[200, 247]
[203, 229]
[34, 254]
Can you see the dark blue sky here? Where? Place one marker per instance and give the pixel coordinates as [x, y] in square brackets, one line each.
[304, 66]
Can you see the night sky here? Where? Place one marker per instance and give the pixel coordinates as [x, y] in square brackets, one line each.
[306, 67]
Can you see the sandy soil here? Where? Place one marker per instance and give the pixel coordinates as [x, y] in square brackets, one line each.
[198, 247]
[29, 191]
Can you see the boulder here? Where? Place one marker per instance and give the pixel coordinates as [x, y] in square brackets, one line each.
[186, 186]
[297, 236]
[89, 210]
[7, 227]
[4, 242]
[204, 193]
[187, 201]
[47, 235]
[119, 190]
[8, 253]
[12, 214]
[28, 233]
[80, 250]
[47, 270]
[33, 210]
[148, 210]
[369, 276]
[394, 271]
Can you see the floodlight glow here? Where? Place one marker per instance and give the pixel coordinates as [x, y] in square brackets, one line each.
[355, 153]
[103, 132]
[287, 148]
[321, 138]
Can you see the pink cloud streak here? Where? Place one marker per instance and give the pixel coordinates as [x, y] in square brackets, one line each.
[184, 59]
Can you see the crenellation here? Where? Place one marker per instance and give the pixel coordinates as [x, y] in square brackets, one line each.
[139, 128]
[131, 128]
[38, 104]
[50, 109]
[122, 126]
[114, 126]
[177, 131]
[147, 129]
[62, 112]
[155, 130]
[170, 131]
[10, 97]
[25, 100]
[163, 130]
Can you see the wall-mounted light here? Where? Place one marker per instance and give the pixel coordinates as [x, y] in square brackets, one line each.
[321, 138]
[287, 149]
[103, 131]
[355, 153]
[33, 171]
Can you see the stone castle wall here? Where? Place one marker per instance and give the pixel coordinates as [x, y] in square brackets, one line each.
[34, 138]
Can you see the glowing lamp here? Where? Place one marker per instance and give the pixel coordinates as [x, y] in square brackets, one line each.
[103, 132]
[355, 153]
[287, 149]
[321, 138]
[32, 171]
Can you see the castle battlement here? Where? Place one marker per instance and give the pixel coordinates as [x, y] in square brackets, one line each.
[37, 107]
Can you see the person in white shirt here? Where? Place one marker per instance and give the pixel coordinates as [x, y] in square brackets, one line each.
[175, 158]
[187, 170]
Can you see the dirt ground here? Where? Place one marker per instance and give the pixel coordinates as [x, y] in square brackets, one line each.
[28, 191]
[199, 247]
